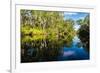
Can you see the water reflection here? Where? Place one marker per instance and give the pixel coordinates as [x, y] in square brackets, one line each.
[48, 48]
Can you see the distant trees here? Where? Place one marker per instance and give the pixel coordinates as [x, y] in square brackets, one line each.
[84, 21]
[80, 21]
[84, 32]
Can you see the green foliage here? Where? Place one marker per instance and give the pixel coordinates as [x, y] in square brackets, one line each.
[37, 25]
[44, 30]
[84, 21]
[84, 32]
[80, 21]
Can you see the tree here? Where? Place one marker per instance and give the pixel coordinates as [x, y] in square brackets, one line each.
[84, 33]
[80, 22]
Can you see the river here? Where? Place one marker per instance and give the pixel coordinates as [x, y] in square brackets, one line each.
[55, 50]
[75, 52]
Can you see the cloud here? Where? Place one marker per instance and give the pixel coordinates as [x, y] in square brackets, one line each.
[81, 17]
[68, 53]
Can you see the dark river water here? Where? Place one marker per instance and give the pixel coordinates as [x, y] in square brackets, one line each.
[75, 52]
[54, 50]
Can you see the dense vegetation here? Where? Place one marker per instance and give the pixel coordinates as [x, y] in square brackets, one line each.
[38, 28]
[44, 23]
[84, 32]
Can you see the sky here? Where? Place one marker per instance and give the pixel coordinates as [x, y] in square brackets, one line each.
[75, 16]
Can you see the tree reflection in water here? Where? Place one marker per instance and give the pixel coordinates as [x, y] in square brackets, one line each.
[45, 48]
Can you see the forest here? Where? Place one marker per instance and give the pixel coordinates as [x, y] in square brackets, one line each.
[43, 33]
